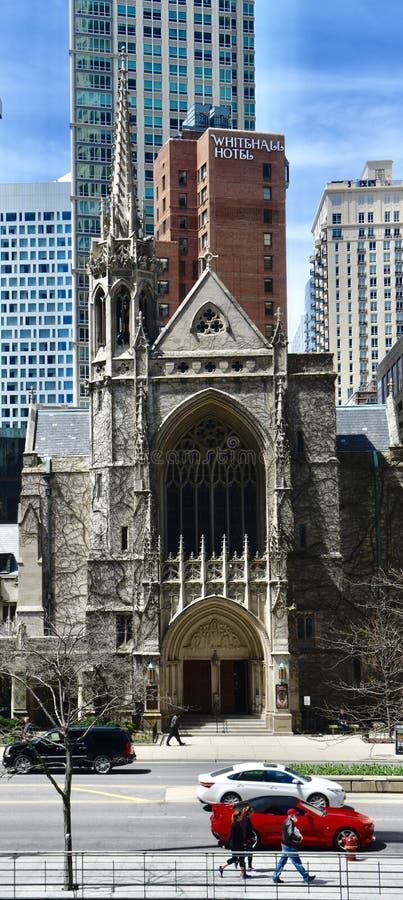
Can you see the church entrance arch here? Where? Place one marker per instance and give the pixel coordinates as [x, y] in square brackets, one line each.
[213, 659]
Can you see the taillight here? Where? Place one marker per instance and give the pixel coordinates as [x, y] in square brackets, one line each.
[128, 748]
[206, 784]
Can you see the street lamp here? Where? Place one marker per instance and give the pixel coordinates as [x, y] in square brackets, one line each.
[282, 672]
[152, 673]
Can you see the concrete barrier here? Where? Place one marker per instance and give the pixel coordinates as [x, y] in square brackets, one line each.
[380, 784]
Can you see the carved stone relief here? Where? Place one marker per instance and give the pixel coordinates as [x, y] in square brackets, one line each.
[214, 634]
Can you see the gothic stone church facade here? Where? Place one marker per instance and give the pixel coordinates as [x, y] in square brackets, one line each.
[178, 510]
[200, 505]
[197, 505]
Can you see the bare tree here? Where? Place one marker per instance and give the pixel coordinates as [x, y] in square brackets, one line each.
[71, 674]
[367, 644]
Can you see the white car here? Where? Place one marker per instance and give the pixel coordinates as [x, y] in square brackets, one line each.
[250, 779]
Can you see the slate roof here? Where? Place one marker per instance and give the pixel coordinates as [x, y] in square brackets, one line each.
[61, 432]
[362, 428]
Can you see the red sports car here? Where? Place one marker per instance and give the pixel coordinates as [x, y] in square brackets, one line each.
[320, 827]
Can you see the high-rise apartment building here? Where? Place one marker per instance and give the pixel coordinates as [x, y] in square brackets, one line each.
[220, 196]
[177, 52]
[35, 298]
[358, 273]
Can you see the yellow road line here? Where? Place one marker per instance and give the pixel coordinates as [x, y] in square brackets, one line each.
[83, 790]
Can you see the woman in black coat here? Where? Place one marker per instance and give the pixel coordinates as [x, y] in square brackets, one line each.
[235, 843]
[248, 833]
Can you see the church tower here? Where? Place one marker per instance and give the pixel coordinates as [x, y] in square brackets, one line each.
[123, 562]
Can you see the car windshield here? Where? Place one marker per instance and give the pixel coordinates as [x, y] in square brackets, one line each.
[303, 778]
[317, 810]
[221, 772]
[53, 736]
[278, 805]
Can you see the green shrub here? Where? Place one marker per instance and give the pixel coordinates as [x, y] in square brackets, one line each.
[349, 769]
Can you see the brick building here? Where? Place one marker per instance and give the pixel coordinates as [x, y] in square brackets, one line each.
[221, 194]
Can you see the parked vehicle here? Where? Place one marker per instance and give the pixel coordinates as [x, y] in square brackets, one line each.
[100, 747]
[319, 827]
[246, 780]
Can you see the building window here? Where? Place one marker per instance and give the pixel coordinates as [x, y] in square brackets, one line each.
[183, 222]
[268, 262]
[300, 443]
[268, 285]
[267, 239]
[183, 246]
[124, 629]
[267, 195]
[268, 216]
[182, 177]
[183, 201]
[164, 310]
[124, 537]
[209, 321]
[305, 627]
[301, 536]
[266, 171]
[219, 496]
[268, 307]
[163, 288]
[269, 330]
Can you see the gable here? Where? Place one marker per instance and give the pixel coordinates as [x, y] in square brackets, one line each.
[210, 319]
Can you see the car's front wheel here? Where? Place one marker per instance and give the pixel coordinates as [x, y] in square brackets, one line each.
[341, 835]
[256, 840]
[230, 797]
[23, 764]
[102, 765]
[318, 799]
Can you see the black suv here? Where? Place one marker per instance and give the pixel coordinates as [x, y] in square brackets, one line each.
[100, 748]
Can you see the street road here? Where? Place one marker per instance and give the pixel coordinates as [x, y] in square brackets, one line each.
[139, 807]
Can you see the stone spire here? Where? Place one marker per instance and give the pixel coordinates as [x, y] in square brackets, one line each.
[122, 211]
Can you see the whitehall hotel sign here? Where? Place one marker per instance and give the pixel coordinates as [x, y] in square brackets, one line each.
[236, 147]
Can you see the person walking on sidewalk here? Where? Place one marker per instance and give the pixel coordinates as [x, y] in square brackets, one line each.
[27, 731]
[235, 843]
[174, 730]
[291, 837]
[248, 834]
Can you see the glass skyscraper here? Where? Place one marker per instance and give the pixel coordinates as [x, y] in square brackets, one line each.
[35, 299]
[178, 52]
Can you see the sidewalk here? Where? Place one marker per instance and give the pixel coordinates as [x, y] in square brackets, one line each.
[190, 876]
[275, 748]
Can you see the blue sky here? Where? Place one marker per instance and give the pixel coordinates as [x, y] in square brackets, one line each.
[329, 76]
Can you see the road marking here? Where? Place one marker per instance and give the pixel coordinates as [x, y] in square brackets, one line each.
[153, 817]
[180, 794]
[82, 790]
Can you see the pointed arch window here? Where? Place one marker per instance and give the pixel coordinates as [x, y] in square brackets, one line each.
[209, 321]
[148, 308]
[100, 326]
[212, 489]
[122, 314]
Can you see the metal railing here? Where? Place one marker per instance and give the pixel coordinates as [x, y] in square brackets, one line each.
[165, 876]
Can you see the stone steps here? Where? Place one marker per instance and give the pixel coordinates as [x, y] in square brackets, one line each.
[192, 725]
